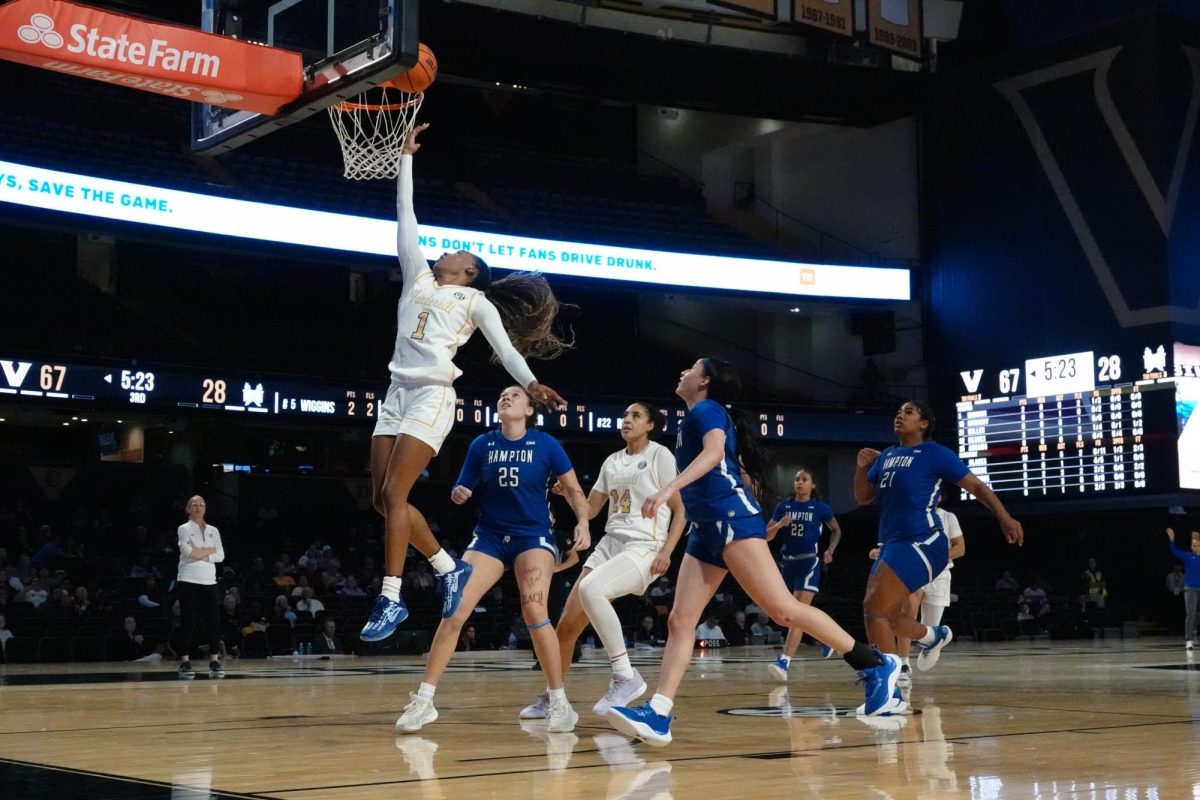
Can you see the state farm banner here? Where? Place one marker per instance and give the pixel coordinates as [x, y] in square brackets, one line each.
[836, 16]
[896, 25]
[169, 60]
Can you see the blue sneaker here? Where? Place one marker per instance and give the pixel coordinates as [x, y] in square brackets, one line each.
[643, 722]
[827, 651]
[386, 616]
[453, 583]
[779, 670]
[879, 683]
[931, 652]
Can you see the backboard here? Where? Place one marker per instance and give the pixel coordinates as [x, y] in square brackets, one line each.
[348, 46]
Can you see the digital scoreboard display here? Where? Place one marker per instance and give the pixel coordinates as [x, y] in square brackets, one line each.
[152, 390]
[1079, 424]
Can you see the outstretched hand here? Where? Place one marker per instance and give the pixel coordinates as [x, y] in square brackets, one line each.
[1171, 534]
[547, 397]
[411, 145]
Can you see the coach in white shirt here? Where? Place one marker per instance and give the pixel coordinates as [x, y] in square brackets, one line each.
[196, 582]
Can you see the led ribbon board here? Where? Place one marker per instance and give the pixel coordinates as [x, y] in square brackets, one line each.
[189, 211]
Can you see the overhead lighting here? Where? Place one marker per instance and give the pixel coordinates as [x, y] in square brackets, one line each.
[76, 419]
[794, 310]
[120, 422]
[66, 424]
[83, 420]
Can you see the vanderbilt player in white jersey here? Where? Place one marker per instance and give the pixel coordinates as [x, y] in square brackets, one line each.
[439, 310]
[632, 553]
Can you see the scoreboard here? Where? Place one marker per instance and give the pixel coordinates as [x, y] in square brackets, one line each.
[1081, 424]
[135, 387]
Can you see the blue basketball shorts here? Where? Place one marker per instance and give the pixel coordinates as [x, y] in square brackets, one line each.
[505, 549]
[916, 561]
[802, 574]
[707, 539]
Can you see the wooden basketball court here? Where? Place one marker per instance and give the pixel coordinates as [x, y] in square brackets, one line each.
[1043, 720]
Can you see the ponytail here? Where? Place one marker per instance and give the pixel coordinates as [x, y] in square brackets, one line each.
[725, 387]
[528, 309]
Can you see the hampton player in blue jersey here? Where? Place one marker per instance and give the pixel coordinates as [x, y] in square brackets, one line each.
[728, 534]
[510, 470]
[908, 480]
[802, 518]
[439, 310]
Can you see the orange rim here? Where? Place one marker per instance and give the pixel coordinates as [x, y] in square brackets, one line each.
[349, 105]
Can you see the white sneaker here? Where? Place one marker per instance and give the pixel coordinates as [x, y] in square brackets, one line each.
[1190, 645]
[621, 692]
[930, 652]
[538, 709]
[905, 676]
[778, 670]
[561, 717]
[417, 714]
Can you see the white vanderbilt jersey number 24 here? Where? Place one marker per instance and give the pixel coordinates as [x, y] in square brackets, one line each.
[628, 481]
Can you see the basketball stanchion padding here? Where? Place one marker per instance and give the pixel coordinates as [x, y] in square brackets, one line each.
[372, 128]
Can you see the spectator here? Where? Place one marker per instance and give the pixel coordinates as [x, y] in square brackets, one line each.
[710, 629]
[1095, 590]
[662, 592]
[466, 641]
[646, 635]
[1034, 593]
[738, 629]
[282, 579]
[144, 568]
[231, 632]
[5, 635]
[763, 627]
[351, 588]
[8, 581]
[152, 594]
[1007, 584]
[49, 550]
[309, 603]
[1024, 611]
[283, 611]
[131, 644]
[36, 594]
[327, 642]
[301, 585]
[83, 606]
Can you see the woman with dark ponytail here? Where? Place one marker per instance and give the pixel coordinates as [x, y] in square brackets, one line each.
[907, 478]
[728, 534]
[439, 310]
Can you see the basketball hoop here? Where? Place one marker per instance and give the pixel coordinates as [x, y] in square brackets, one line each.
[372, 128]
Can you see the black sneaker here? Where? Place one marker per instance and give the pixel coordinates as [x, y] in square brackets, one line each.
[215, 670]
[185, 671]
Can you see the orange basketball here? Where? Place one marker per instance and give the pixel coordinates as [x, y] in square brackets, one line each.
[419, 78]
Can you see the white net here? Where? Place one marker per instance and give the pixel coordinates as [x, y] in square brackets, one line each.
[372, 130]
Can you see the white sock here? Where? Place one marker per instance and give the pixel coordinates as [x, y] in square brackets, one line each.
[904, 661]
[787, 660]
[662, 705]
[557, 694]
[621, 666]
[426, 691]
[391, 588]
[441, 562]
[930, 635]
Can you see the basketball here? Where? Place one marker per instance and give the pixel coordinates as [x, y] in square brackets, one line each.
[419, 78]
